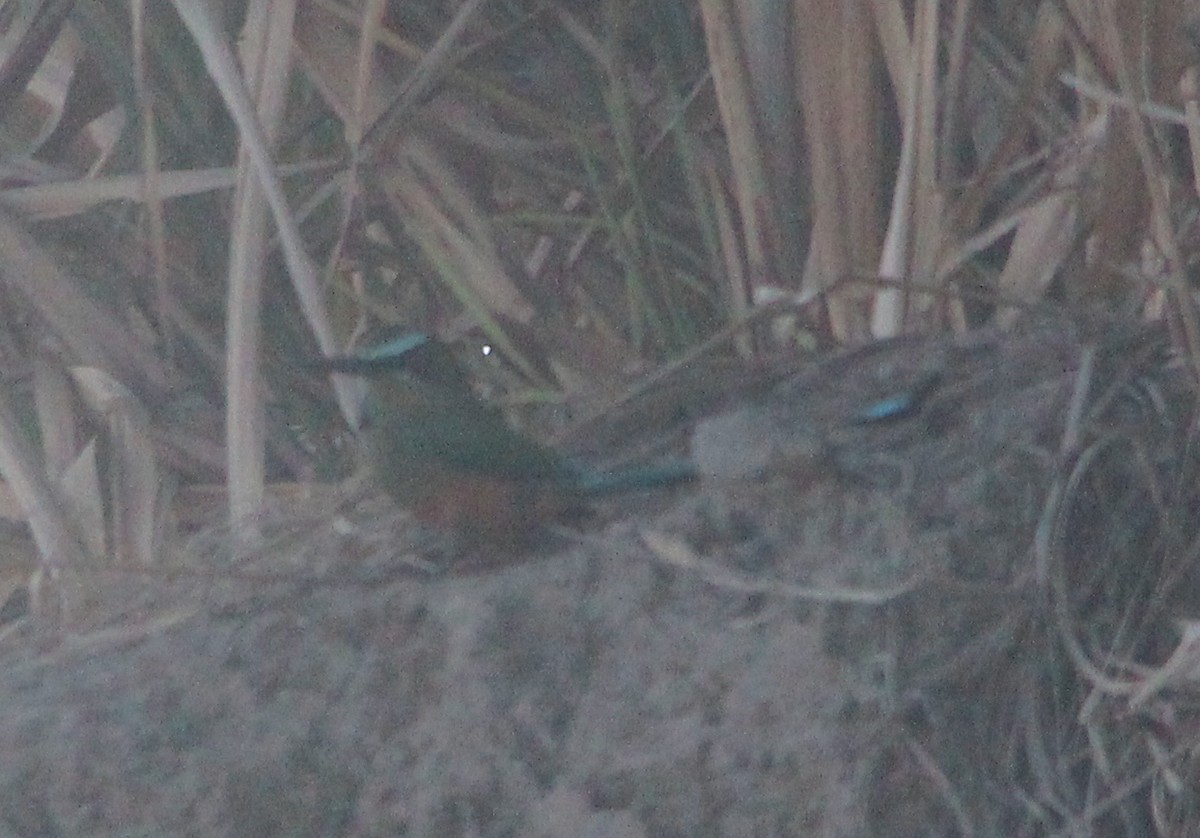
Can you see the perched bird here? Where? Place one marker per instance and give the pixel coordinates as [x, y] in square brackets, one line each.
[442, 452]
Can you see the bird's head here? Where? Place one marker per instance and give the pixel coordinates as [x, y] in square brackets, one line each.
[411, 371]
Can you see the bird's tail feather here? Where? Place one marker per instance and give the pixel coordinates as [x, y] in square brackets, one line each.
[654, 475]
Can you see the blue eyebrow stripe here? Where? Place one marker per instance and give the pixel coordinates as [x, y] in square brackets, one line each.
[394, 348]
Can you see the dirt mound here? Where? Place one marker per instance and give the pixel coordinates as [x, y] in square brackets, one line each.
[950, 619]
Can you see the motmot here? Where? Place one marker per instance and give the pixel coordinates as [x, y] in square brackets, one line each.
[454, 460]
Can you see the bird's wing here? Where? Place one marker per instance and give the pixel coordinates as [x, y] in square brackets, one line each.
[478, 440]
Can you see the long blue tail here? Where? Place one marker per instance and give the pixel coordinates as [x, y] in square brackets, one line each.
[652, 476]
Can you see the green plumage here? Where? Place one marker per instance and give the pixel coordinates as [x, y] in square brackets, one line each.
[422, 421]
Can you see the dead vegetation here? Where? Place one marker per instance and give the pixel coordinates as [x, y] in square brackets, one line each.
[198, 199]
